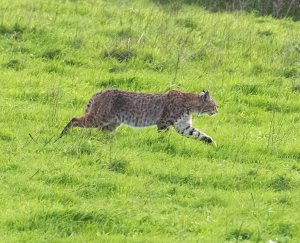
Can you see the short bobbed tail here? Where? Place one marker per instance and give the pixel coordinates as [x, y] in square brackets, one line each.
[75, 122]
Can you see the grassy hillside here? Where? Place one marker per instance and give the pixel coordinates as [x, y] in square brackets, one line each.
[137, 185]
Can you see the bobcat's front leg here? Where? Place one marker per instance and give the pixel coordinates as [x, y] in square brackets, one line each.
[184, 126]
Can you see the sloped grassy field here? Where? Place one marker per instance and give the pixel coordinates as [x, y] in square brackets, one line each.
[137, 185]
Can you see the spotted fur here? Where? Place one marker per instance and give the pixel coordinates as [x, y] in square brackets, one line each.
[108, 109]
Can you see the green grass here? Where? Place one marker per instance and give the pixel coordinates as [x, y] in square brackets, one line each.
[138, 185]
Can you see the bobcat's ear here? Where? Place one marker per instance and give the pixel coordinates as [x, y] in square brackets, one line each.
[206, 96]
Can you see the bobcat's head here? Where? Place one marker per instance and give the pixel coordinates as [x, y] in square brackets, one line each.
[206, 104]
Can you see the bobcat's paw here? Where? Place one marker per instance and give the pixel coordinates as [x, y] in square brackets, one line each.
[208, 140]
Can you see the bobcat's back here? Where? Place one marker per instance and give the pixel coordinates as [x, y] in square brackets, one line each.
[131, 108]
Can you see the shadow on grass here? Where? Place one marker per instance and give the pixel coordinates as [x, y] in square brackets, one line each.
[119, 166]
[15, 32]
[240, 234]
[97, 189]
[13, 64]
[120, 54]
[68, 222]
[209, 202]
[237, 182]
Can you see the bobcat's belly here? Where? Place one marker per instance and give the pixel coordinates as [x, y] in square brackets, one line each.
[139, 119]
[136, 122]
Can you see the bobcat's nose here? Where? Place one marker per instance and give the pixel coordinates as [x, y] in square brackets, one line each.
[214, 111]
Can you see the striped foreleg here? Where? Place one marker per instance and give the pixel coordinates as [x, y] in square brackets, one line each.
[190, 131]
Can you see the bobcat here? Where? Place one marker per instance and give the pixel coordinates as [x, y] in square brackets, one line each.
[107, 109]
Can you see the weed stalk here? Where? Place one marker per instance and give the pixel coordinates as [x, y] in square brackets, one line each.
[271, 131]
